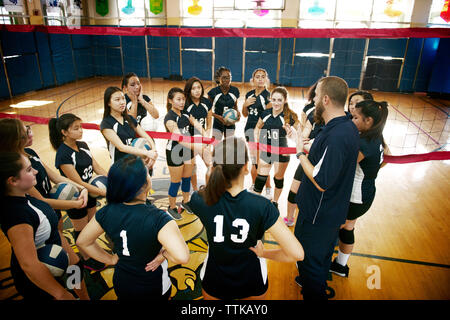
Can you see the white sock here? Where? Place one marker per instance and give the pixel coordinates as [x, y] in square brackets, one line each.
[342, 258]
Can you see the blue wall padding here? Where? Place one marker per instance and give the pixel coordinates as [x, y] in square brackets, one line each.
[309, 45]
[134, 59]
[308, 70]
[410, 64]
[113, 62]
[17, 43]
[347, 62]
[254, 60]
[61, 50]
[228, 53]
[440, 79]
[45, 60]
[4, 92]
[429, 51]
[81, 41]
[198, 64]
[387, 47]
[196, 43]
[262, 44]
[26, 76]
[174, 56]
[286, 70]
[157, 42]
[84, 63]
[158, 56]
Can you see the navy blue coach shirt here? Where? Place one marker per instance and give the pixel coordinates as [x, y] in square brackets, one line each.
[334, 156]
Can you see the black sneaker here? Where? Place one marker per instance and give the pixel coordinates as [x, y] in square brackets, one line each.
[338, 269]
[186, 208]
[173, 212]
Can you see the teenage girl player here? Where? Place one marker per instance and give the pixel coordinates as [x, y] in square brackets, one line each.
[256, 101]
[270, 130]
[138, 104]
[370, 118]
[119, 129]
[198, 109]
[235, 221]
[179, 154]
[223, 97]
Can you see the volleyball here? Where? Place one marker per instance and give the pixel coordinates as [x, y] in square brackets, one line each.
[230, 116]
[55, 258]
[64, 191]
[148, 123]
[99, 182]
[140, 143]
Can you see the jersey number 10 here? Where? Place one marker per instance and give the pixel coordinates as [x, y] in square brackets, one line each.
[242, 224]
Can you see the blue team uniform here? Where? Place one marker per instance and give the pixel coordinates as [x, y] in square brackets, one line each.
[222, 102]
[124, 131]
[141, 111]
[199, 112]
[233, 224]
[177, 154]
[254, 111]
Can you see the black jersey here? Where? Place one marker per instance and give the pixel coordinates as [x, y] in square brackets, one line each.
[256, 109]
[134, 231]
[44, 221]
[81, 159]
[42, 180]
[233, 225]
[141, 111]
[199, 112]
[315, 127]
[367, 170]
[124, 131]
[272, 132]
[222, 102]
[183, 125]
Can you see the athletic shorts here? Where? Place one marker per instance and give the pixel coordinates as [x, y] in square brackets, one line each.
[81, 213]
[178, 156]
[299, 173]
[272, 158]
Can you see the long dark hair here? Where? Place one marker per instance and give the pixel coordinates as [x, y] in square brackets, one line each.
[126, 178]
[229, 156]
[288, 113]
[365, 94]
[55, 125]
[13, 136]
[10, 166]
[378, 111]
[127, 77]
[188, 89]
[107, 109]
[171, 95]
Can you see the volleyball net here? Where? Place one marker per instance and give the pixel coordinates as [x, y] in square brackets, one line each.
[81, 63]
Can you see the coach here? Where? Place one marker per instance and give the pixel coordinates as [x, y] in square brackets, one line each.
[324, 194]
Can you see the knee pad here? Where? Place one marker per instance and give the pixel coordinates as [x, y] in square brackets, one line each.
[291, 197]
[173, 188]
[347, 236]
[186, 184]
[278, 183]
[260, 182]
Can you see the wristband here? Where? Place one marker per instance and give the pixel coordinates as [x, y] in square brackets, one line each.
[299, 154]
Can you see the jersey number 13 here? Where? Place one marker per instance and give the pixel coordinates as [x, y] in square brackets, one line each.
[241, 224]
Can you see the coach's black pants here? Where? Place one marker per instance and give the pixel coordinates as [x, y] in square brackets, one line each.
[318, 242]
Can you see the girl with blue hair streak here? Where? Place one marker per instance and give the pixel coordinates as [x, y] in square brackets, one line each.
[143, 235]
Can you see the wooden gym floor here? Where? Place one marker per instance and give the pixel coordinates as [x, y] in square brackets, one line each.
[402, 242]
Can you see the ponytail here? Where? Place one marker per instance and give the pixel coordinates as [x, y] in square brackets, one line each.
[229, 156]
[378, 111]
[56, 125]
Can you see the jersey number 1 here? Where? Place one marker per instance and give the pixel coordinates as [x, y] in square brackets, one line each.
[242, 224]
[123, 235]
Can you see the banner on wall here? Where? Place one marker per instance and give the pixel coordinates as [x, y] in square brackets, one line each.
[156, 6]
[13, 5]
[445, 12]
[102, 7]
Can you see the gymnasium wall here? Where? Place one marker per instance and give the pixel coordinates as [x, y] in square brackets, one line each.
[37, 60]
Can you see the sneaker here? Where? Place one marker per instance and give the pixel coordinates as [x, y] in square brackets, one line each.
[298, 281]
[268, 193]
[289, 222]
[341, 271]
[186, 208]
[173, 212]
[93, 265]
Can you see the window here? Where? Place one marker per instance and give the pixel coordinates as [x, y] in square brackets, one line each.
[4, 19]
[435, 13]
